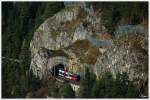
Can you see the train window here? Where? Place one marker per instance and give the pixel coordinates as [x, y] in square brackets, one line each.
[70, 74]
[65, 74]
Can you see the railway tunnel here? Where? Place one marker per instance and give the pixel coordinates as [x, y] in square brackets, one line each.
[48, 68]
[57, 67]
[56, 63]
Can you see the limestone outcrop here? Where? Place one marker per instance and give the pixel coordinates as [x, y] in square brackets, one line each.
[72, 26]
[129, 54]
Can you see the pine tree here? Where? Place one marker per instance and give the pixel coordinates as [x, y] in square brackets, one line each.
[66, 91]
[87, 84]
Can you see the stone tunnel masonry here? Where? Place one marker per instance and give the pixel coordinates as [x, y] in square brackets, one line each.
[55, 61]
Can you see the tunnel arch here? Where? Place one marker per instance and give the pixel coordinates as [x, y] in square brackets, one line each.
[56, 63]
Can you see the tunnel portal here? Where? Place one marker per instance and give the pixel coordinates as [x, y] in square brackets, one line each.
[56, 68]
[56, 63]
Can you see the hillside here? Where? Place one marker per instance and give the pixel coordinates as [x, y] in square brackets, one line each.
[80, 32]
[102, 42]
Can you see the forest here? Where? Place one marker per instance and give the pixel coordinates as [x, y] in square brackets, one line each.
[21, 19]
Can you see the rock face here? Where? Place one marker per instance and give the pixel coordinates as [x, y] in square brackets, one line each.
[71, 25]
[39, 63]
[129, 54]
[44, 60]
[77, 38]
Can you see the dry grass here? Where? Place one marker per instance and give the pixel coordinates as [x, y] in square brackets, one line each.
[53, 53]
[86, 51]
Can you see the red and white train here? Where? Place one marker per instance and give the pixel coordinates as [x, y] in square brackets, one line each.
[70, 76]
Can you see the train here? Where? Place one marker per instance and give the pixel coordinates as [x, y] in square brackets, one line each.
[68, 75]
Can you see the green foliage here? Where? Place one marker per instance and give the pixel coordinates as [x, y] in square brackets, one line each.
[52, 8]
[132, 91]
[46, 10]
[19, 91]
[122, 84]
[19, 21]
[124, 88]
[108, 87]
[66, 91]
[87, 84]
[34, 82]
[53, 91]
[113, 12]
[104, 87]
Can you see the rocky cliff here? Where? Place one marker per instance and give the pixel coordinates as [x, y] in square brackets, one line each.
[77, 36]
[74, 30]
[129, 54]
